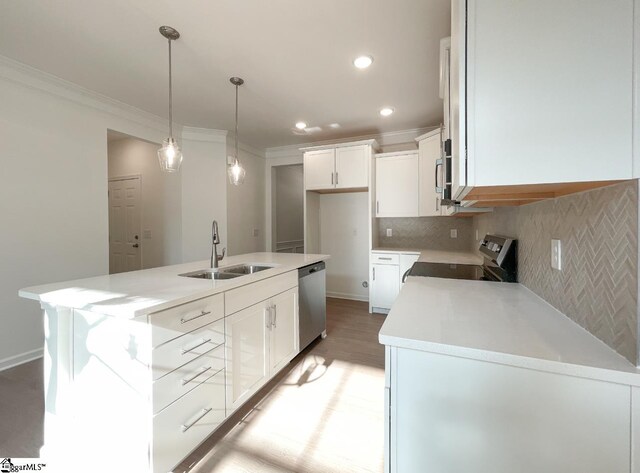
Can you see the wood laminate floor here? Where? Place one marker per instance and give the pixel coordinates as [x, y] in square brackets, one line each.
[322, 413]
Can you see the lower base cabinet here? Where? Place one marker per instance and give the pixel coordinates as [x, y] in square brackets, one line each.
[187, 422]
[385, 285]
[463, 415]
[260, 340]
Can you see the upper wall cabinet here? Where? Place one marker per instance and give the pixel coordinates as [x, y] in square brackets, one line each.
[319, 169]
[397, 184]
[542, 96]
[338, 168]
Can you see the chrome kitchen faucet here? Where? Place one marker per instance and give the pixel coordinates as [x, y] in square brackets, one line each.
[215, 241]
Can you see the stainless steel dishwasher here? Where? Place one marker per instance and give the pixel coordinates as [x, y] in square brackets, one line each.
[312, 287]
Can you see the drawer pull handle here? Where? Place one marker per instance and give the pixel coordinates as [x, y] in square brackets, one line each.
[199, 373]
[186, 427]
[184, 320]
[189, 350]
[386, 259]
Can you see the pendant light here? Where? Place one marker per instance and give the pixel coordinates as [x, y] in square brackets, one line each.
[169, 155]
[235, 170]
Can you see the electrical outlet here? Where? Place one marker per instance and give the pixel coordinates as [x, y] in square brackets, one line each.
[389, 232]
[556, 254]
[355, 232]
[256, 232]
[454, 233]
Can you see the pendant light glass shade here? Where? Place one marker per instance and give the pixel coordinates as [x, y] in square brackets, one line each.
[170, 156]
[235, 171]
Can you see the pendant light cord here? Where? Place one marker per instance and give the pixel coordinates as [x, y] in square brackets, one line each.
[236, 124]
[170, 97]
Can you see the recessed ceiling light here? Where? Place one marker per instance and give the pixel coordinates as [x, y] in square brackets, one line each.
[386, 111]
[362, 62]
[334, 125]
[301, 125]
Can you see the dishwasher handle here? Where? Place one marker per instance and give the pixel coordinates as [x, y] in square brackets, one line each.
[311, 269]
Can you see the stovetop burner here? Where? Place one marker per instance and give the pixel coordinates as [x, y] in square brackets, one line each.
[500, 264]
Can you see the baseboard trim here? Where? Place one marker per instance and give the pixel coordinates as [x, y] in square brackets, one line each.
[16, 360]
[351, 297]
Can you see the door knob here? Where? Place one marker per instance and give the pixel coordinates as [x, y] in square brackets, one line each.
[135, 245]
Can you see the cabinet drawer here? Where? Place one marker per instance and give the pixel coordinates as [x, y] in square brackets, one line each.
[182, 350]
[183, 425]
[174, 322]
[385, 258]
[182, 380]
[246, 296]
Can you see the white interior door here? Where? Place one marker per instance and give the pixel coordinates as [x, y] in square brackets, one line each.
[124, 225]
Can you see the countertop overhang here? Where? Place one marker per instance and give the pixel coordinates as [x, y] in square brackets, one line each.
[502, 323]
[139, 293]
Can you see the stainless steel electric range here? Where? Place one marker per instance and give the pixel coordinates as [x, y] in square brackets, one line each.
[500, 263]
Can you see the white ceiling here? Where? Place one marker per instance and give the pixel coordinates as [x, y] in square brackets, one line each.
[295, 56]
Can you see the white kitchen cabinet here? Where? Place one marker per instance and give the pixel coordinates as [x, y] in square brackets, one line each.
[430, 174]
[385, 285]
[481, 416]
[261, 340]
[283, 337]
[397, 184]
[247, 353]
[352, 167]
[542, 96]
[387, 269]
[319, 169]
[445, 86]
[340, 167]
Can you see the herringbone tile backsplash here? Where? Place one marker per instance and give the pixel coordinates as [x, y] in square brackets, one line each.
[432, 233]
[598, 284]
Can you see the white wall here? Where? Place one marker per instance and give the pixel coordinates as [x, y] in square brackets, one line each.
[160, 232]
[245, 205]
[204, 191]
[53, 191]
[289, 203]
[344, 234]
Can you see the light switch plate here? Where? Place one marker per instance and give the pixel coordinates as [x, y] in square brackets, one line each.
[556, 254]
[146, 234]
[454, 233]
[389, 232]
[256, 232]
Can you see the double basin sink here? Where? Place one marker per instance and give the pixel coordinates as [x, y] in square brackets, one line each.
[229, 272]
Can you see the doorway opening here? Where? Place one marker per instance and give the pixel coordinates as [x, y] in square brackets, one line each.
[288, 209]
[144, 206]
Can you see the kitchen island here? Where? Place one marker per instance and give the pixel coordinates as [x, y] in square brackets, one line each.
[486, 376]
[143, 366]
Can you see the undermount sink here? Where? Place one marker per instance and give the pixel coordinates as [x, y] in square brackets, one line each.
[229, 272]
[210, 274]
[245, 269]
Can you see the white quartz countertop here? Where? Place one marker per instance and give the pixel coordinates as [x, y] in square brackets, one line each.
[501, 323]
[437, 256]
[142, 292]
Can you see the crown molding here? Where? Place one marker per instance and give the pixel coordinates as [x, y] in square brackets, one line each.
[247, 148]
[210, 135]
[27, 76]
[383, 139]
